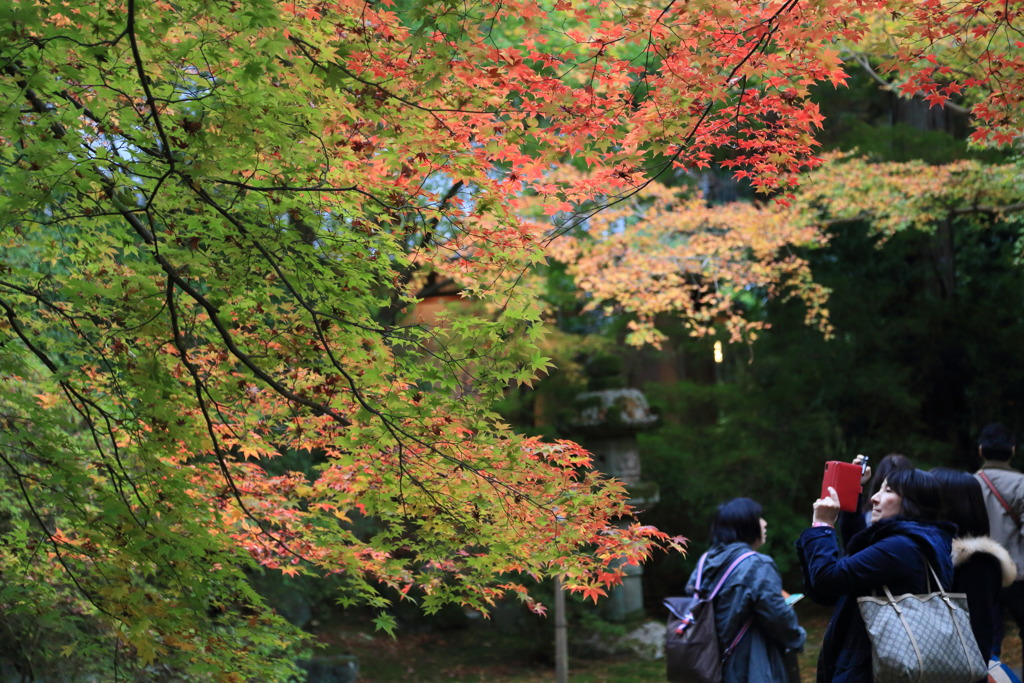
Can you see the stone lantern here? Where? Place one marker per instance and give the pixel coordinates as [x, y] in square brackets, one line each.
[606, 423]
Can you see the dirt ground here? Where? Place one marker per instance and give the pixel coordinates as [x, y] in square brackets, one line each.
[481, 654]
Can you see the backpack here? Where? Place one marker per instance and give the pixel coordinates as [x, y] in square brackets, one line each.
[692, 654]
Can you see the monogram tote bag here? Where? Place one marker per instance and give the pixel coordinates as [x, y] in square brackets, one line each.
[922, 638]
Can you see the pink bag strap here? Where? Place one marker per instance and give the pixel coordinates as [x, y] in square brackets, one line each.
[700, 571]
[721, 581]
[737, 639]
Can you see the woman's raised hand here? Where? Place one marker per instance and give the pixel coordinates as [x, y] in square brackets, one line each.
[826, 510]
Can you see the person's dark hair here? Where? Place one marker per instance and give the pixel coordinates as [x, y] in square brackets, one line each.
[962, 501]
[922, 498]
[996, 442]
[892, 461]
[737, 520]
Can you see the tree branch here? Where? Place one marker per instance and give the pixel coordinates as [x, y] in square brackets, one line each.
[891, 87]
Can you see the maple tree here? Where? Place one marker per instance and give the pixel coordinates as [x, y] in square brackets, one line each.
[217, 220]
[699, 263]
[692, 261]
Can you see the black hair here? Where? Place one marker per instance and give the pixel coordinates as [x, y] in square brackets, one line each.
[737, 520]
[962, 501]
[922, 497]
[889, 463]
[996, 442]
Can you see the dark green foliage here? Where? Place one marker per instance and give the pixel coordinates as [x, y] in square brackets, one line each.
[913, 368]
[769, 451]
[885, 127]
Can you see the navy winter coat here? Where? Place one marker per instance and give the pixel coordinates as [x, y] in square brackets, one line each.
[753, 589]
[890, 552]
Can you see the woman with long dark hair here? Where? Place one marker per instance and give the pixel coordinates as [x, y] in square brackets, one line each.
[852, 523]
[980, 565]
[752, 593]
[904, 537]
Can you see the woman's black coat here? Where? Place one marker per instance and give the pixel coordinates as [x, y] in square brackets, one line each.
[981, 567]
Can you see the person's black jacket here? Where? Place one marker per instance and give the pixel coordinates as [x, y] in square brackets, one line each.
[891, 552]
[980, 568]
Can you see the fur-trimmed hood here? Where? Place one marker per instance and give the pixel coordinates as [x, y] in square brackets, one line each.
[964, 548]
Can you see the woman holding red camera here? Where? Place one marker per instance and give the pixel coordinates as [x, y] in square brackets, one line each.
[905, 535]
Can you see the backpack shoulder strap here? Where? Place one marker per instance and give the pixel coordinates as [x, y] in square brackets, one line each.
[728, 571]
[1002, 501]
[736, 641]
[743, 630]
[700, 571]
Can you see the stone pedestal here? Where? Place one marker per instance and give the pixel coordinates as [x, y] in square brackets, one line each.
[331, 669]
[626, 599]
[607, 425]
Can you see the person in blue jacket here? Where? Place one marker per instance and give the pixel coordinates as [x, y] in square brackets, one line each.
[905, 535]
[752, 592]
